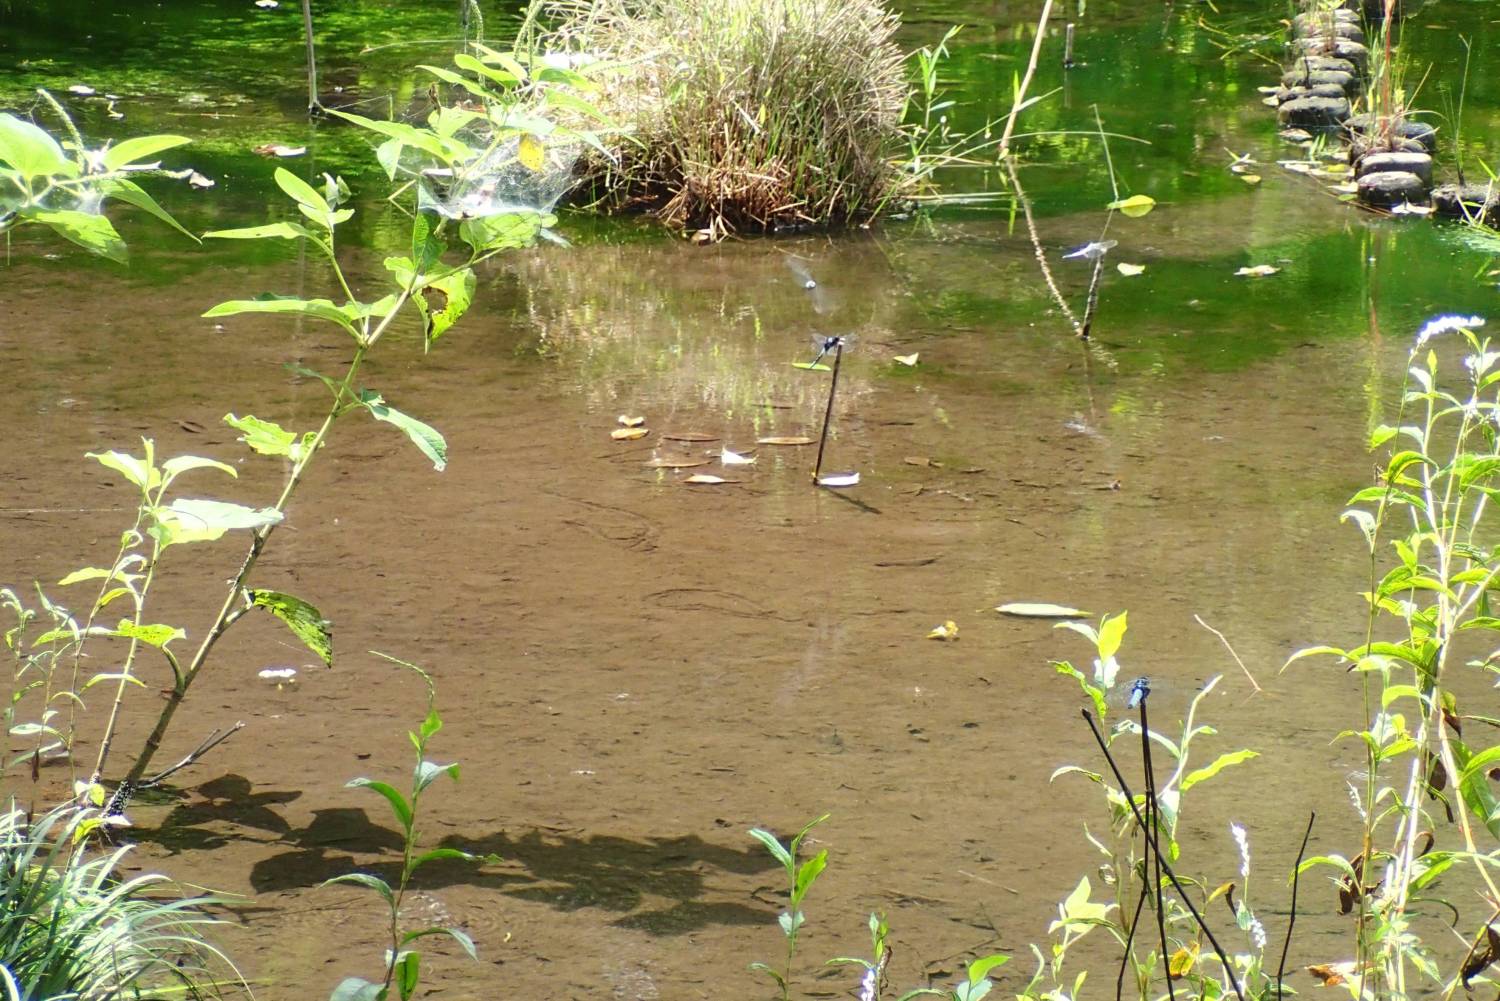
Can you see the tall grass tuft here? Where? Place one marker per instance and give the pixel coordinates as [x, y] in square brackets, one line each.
[71, 926]
[743, 115]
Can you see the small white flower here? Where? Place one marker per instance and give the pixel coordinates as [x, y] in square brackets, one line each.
[1443, 324]
[1244, 843]
[867, 985]
[1258, 934]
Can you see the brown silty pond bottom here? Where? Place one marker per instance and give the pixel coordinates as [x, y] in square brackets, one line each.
[634, 671]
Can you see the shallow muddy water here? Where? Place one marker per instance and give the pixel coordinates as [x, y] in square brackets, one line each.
[634, 671]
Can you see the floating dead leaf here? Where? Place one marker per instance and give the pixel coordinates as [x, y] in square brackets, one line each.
[82, 90]
[666, 462]
[1267, 90]
[629, 422]
[1251, 179]
[1332, 974]
[838, 480]
[947, 631]
[1271, 102]
[277, 149]
[1407, 208]
[689, 436]
[268, 4]
[923, 461]
[729, 458]
[197, 180]
[628, 434]
[811, 366]
[1040, 610]
[707, 479]
[1257, 271]
[1347, 188]
[1130, 270]
[785, 440]
[907, 360]
[1298, 166]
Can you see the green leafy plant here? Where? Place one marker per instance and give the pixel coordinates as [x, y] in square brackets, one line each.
[72, 925]
[40, 644]
[403, 962]
[64, 185]
[1132, 874]
[1433, 573]
[800, 878]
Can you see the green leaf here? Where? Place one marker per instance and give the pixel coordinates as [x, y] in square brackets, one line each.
[438, 854]
[97, 573]
[458, 291]
[322, 309]
[138, 471]
[302, 618]
[31, 151]
[506, 231]
[1220, 763]
[426, 438]
[1474, 784]
[426, 248]
[408, 973]
[93, 233]
[807, 874]
[271, 231]
[399, 806]
[178, 465]
[131, 193]
[512, 75]
[457, 80]
[153, 635]
[129, 151]
[268, 437]
[1111, 634]
[301, 192]
[981, 967]
[357, 989]
[775, 847]
[197, 520]
[1135, 206]
[464, 941]
[366, 880]
[450, 152]
[428, 772]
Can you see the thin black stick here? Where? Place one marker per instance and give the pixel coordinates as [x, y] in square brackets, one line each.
[1167, 869]
[1093, 303]
[1292, 921]
[833, 385]
[210, 742]
[1153, 815]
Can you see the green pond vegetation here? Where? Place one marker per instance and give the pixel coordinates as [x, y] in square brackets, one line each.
[760, 115]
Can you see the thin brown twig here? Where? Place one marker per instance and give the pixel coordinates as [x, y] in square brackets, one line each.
[1222, 639]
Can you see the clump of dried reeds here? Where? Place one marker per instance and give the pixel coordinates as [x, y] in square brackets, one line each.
[743, 115]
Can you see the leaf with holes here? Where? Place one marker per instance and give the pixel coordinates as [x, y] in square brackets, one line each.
[301, 617]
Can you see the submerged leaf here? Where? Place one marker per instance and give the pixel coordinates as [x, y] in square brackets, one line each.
[707, 479]
[629, 422]
[661, 462]
[907, 360]
[689, 436]
[793, 440]
[628, 433]
[1040, 610]
[1130, 270]
[838, 480]
[1257, 271]
[729, 458]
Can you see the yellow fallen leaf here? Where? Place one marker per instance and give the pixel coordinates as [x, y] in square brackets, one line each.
[730, 458]
[796, 440]
[1135, 206]
[947, 631]
[907, 360]
[707, 479]
[1250, 178]
[1257, 271]
[1130, 270]
[629, 422]
[628, 434]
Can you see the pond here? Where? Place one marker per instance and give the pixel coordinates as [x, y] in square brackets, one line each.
[635, 671]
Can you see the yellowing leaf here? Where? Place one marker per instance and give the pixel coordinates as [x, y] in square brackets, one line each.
[1182, 961]
[1135, 206]
[531, 154]
[794, 440]
[1257, 271]
[907, 360]
[628, 434]
[629, 422]
[947, 631]
[1130, 270]
[707, 479]
[1251, 179]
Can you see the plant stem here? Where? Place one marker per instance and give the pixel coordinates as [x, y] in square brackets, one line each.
[1020, 96]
